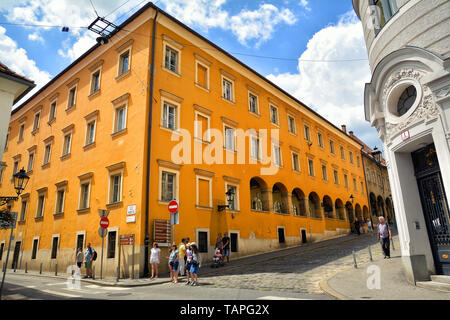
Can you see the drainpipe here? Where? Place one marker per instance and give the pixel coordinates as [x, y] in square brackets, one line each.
[149, 144]
[367, 189]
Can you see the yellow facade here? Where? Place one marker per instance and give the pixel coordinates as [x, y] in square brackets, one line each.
[194, 89]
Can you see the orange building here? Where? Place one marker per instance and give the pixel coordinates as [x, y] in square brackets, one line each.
[108, 134]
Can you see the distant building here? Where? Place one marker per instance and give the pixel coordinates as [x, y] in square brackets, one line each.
[408, 102]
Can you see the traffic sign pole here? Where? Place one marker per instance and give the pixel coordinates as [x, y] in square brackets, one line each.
[104, 223]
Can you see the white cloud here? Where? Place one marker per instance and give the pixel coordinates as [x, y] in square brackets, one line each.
[305, 4]
[35, 37]
[334, 89]
[17, 60]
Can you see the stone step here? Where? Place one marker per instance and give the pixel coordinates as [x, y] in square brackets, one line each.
[433, 285]
[440, 278]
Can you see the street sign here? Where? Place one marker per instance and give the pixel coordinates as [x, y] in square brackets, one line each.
[131, 219]
[103, 213]
[173, 206]
[405, 135]
[131, 209]
[102, 232]
[126, 239]
[104, 222]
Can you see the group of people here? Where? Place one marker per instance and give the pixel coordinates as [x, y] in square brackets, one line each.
[88, 257]
[183, 259]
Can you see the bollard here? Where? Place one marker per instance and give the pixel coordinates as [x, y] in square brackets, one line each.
[93, 273]
[393, 248]
[117, 274]
[3, 267]
[15, 266]
[40, 269]
[56, 269]
[354, 260]
[26, 267]
[370, 254]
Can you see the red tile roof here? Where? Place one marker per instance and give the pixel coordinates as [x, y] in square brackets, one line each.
[8, 71]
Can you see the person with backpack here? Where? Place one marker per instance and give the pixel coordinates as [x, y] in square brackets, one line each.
[89, 256]
[384, 236]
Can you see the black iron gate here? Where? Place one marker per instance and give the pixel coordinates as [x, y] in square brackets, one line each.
[434, 205]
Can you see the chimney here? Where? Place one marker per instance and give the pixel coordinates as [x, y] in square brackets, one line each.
[344, 128]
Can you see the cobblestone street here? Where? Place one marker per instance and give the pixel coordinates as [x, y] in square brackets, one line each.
[299, 269]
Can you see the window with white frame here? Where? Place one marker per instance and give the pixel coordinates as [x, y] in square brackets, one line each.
[21, 131]
[204, 191]
[332, 150]
[295, 162]
[276, 154]
[115, 187]
[202, 127]
[273, 114]
[66, 143]
[120, 118]
[124, 62]
[227, 89]
[60, 197]
[307, 133]
[85, 189]
[52, 113]
[202, 75]
[37, 118]
[23, 209]
[71, 98]
[30, 161]
[47, 153]
[350, 155]
[358, 161]
[171, 57]
[362, 187]
[90, 132]
[169, 118]
[40, 205]
[95, 81]
[15, 168]
[168, 181]
[324, 173]
[291, 123]
[342, 152]
[55, 244]
[311, 167]
[346, 181]
[336, 177]
[229, 138]
[253, 103]
[320, 139]
[255, 148]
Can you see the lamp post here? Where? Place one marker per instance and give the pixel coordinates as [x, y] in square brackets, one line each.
[230, 199]
[20, 183]
[377, 156]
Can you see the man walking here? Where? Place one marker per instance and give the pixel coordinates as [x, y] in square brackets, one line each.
[88, 256]
[384, 236]
[181, 255]
[226, 246]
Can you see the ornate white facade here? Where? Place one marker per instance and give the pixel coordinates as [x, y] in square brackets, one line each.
[408, 101]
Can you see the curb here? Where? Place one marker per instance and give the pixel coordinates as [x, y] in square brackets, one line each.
[330, 291]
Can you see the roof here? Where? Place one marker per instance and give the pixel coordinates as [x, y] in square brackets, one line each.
[151, 5]
[367, 151]
[7, 73]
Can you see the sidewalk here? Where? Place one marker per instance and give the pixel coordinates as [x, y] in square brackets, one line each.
[352, 284]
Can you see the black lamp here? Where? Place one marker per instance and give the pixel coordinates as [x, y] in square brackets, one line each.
[230, 198]
[351, 198]
[20, 183]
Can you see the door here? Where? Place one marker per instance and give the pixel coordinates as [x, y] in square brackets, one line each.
[434, 205]
[15, 260]
[234, 242]
[304, 236]
[281, 235]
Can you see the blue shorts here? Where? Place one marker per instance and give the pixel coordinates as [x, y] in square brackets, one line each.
[188, 266]
[174, 266]
[226, 252]
[194, 268]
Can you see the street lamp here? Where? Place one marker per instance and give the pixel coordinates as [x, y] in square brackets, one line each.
[230, 199]
[20, 183]
[376, 154]
[352, 198]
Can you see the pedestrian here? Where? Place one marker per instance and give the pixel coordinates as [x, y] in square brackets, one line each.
[155, 257]
[362, 225]
[88, 257]
[369, 226]
[182, 255]
[195, 265]
[79, 259]
[174, 263]
[219, 239]
[170, 266]
[226, 246]
[357, 226]
[188, 262]
[384, 236]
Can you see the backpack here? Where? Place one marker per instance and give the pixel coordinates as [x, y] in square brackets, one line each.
[94, 254]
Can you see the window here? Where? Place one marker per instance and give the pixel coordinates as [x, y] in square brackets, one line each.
[23, 210]
[60, 195]
[358, 161]
[80, 241]
[295, 162]
[90, 132]
[40, 206]
[291, 123]
[253, 104]
[202, 75]
[336, 177]
[233, 204]
[204, 192]
[311, 167]
[124, 62]
[84, 195]
[350, 155]
[95, 82]
[307, 133]
[354, 185]
[229, 138]
[71, 101]
[346, 181]
[255, 148]
[274, 115]
[120, 118]
[52, 113]
[167, 186]
[406, 100]
[30, 162]
[276, 155]
[362, 187]
[202, 127]
[342, 153]
[21, 130]
[37, 117]
[169, 116]
[115, 191]
[66, 144]
[47, 153]
[171, 59]
[55, 241]
[35, 248]
[332, 147]
[15, 167]
[111, 253]
[320, 139]
[387, 8]
[324, 173]
[227, 89]
[203, 241]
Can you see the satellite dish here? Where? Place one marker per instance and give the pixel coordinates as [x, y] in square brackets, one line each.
[102, 40]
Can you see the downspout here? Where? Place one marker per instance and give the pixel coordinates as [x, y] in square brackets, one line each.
[367, 187]
[149, 144]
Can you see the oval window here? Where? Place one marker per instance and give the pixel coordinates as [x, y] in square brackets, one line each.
[406, 100]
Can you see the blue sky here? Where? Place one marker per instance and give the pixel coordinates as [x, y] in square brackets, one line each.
[287, 30]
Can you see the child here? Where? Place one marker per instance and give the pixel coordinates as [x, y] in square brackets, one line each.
[217, 258]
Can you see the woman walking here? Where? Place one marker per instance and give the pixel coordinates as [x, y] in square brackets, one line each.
[154, 259]
[188, 262]
[80, 257]
[195, 264]
[173, 261]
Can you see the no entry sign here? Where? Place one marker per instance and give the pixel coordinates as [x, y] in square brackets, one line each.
[173, 206]
[104, 222]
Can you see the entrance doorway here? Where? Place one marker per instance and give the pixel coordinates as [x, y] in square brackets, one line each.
[15, 260]
[434, 205]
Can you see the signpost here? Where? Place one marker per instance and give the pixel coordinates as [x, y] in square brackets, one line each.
[104, 223]
[173, 210]
[13, 225]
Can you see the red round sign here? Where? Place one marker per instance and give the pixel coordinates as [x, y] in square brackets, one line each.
[104, 222]
[173, 206]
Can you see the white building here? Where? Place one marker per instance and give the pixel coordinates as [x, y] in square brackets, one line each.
[12, 88]
[408, 101]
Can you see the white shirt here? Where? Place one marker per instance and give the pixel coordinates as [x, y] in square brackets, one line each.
[154, 254]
